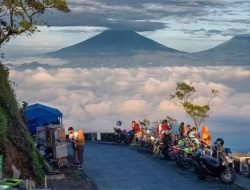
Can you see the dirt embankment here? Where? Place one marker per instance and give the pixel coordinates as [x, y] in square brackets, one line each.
[16, 145]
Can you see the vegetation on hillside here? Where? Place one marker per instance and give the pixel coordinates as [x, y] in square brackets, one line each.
[17, 146]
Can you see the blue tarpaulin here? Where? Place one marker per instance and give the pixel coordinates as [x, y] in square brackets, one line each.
[38, 115]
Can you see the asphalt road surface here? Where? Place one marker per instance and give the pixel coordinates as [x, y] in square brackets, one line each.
[113, 167]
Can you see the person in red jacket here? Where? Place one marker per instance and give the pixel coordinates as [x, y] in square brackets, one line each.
[136, 128]
[164, 129]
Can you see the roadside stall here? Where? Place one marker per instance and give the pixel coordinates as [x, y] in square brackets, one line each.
[45, 125]
[56, 142]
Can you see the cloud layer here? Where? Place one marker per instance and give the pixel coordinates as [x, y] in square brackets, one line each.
[96, 98]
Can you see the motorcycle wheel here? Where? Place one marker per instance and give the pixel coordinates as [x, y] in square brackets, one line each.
[200, 175]
[151, 149]
[160, 155]
[186, 164]
[228, 176]
[199, 172]
[130, 140]
[155, 149]
[126, 141]
[171, 156]
[117, 139]
[177, 160]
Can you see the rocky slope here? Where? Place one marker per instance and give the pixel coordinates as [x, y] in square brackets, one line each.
[16, 145]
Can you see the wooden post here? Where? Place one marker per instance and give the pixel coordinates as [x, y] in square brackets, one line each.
[27, 184]
[45, 182]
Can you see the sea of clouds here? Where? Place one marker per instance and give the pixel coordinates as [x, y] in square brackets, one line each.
[96, 98]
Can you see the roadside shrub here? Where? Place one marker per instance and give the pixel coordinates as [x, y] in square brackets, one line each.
[3, 124]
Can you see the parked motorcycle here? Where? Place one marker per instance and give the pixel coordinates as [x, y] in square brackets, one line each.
[166, 152]
[174, 151]
[165, 148]
[220, 166]
[120, 136]
[154, 144]
[130, 136]
[187, 149]
[185, 158]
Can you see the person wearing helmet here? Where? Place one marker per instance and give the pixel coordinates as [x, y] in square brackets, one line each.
[119, 123]
[219, 151]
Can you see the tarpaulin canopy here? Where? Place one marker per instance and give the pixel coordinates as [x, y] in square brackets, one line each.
[38, 115]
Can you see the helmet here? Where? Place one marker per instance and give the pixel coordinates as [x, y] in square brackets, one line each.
[118, 123]
[164, 121]
[149, 132]
[219, 142]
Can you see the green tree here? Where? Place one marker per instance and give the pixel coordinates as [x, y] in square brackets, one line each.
[21, 16]
[198, 113]
[171, 120]
[23, 108]
[145, 122]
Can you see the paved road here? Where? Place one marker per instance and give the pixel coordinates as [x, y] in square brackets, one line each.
[113, 167]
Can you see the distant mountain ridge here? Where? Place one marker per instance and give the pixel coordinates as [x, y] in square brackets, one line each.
[237, 44]
[126, 49]
[113, 42]
[232, 52]
[243, 37]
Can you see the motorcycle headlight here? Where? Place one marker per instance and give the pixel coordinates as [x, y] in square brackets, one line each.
[230, 160]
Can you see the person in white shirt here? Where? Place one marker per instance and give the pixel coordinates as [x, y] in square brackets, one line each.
[73, 138]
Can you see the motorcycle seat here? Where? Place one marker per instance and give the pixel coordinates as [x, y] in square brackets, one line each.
[210, 160]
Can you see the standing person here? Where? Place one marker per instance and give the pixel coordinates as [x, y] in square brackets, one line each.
[73, 137]
[188, 129]
[193, 133]
[80, 147]
[205, 136]
[136, 128]
[181, 130]
[143, 131]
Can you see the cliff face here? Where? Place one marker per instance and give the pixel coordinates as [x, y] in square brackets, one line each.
[16, 145]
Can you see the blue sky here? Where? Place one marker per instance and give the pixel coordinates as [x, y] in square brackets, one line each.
[190, 26]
